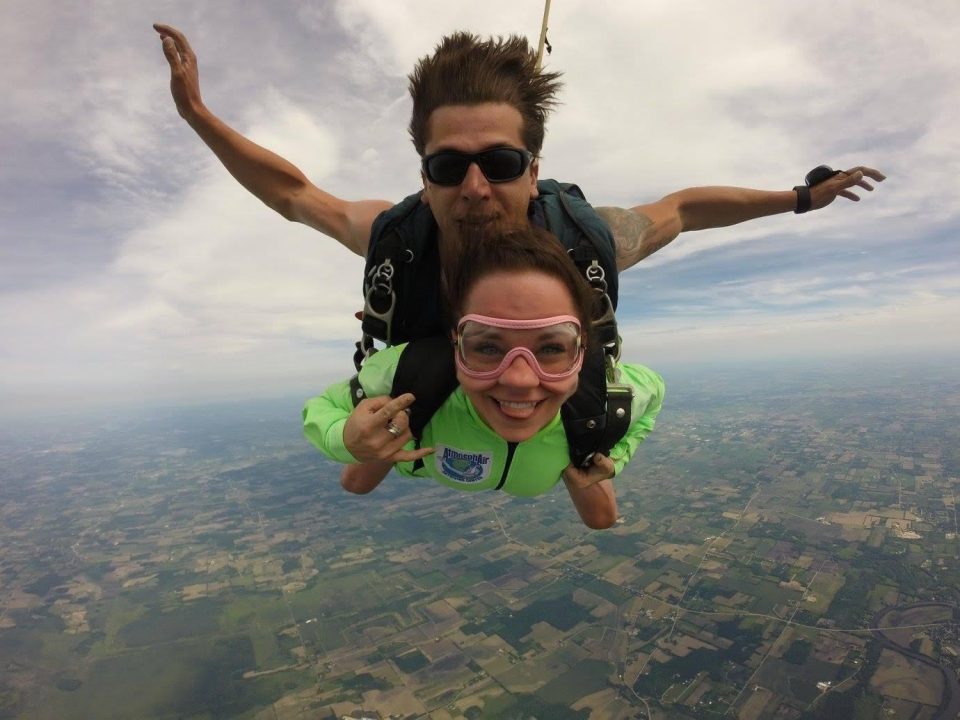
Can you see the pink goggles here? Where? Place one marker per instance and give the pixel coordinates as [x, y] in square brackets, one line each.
[487, 346]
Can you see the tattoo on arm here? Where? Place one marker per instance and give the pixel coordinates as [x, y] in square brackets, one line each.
[633, 233]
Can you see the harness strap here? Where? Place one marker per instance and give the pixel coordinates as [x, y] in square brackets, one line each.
[619, 410]
[586, 257]
[427, 369]
[357, 393]
[587, 436]
[584, 414]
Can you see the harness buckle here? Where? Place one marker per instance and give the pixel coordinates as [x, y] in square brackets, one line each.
[379, 304]
[382, 276]
[605, 331]
[596, 276]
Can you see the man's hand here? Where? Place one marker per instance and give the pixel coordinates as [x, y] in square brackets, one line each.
[592, 492]
[839, 185]
[644, 229]
[378, 428]
[184, 75]
[601, 468]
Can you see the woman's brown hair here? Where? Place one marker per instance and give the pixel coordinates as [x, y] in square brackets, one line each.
[510, 250]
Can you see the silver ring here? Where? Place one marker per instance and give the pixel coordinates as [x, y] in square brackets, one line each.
[393, 429]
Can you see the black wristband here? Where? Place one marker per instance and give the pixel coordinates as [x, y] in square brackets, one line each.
[803, 199]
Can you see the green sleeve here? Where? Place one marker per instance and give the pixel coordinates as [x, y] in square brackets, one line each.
[323, 419]
[648, 390]
[325, 415]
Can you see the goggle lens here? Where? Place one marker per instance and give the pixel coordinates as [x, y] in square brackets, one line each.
[498, 165]
[487, 346]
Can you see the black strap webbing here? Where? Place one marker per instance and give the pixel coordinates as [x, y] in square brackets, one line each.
[619, 407]
[584, 414]
[426, 369]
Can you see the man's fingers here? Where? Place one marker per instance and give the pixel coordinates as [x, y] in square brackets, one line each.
[170, 51]
[852, 178]
[181, 45]
[170, 31]
[602, 468]
[871, 173]
[604, 463]
[856, 178]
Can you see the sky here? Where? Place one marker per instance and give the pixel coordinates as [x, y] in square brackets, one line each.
[134, 270]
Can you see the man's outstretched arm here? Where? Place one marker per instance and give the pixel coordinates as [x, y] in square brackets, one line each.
[642, 230]
[277, 182]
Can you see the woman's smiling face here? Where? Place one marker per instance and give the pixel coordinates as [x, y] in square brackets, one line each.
[518, 403]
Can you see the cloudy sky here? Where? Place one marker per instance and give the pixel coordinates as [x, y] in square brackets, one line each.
[133, 268]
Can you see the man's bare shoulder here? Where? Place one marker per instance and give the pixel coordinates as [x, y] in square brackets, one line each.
[630, 229]
[623, 221]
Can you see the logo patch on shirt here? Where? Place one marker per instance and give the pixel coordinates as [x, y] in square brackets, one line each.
[463, 467]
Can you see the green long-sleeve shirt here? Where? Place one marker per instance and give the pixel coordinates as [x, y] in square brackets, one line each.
[469, 455]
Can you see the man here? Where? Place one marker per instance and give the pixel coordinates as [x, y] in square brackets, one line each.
[469, 127]
[480, 149]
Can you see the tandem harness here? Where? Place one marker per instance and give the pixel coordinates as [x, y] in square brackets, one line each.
[402, 303]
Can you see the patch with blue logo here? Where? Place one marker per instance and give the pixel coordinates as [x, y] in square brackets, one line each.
[463, 467]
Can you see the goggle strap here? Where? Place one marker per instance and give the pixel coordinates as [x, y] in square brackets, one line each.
[505, 324]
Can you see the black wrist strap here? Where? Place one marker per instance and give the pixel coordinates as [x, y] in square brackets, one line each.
[816, 176]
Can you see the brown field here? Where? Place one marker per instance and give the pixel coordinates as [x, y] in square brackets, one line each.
[603, 704]
[546, 634]
[913, 616]
[633, 666]
[822, 590]
[853, 519]
[753, 707]
[398, 701]
[684, 645]
[898, 677]
[622, 574]
[524, 677]
[737, 599]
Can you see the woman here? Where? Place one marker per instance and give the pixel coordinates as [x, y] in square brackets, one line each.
[522, 309]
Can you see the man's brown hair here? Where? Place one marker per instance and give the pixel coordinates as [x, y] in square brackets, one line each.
[466, 70]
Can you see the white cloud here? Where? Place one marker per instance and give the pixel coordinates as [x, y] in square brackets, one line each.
[919, 325]
[204, 290]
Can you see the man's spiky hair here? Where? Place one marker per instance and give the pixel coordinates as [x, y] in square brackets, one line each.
[466, 70]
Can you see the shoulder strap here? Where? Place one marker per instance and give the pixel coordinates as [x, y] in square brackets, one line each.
[583, 232]
[401, 283]
[426, 369]
[591, 246]
[598, 414]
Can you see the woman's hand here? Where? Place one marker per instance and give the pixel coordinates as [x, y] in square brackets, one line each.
[378, 428]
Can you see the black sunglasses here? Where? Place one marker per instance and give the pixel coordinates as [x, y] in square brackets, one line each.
[498, 165]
